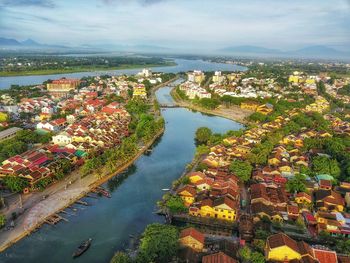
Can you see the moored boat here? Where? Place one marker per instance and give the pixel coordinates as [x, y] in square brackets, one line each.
[82, 248]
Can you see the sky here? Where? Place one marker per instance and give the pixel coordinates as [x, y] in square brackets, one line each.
[180, 24]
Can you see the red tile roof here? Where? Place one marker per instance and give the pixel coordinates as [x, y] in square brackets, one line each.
[325, 256]
[218, 258]
[194, 233]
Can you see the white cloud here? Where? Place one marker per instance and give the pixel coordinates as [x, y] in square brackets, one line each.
[188, 24]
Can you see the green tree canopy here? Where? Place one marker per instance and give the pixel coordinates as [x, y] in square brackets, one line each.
[203, 134]
[296, 184]
[120, 257]
[242, 169]
[16, 183]
[158, 244]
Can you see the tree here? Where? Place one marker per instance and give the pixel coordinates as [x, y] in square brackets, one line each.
[202, 149]
[203, 134]
[296, 184]
[120, 257]
[325, 165]
[242, 169]
[257, 257]
[16, 183]
[257, 116]
[245, 254]
[176, 204]
[300, 223]
[158, 244]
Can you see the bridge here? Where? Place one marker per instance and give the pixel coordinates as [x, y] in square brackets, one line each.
[169, 106]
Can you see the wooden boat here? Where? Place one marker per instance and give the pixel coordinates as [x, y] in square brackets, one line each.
[82, 248]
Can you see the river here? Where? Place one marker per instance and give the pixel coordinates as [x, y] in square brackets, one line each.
[183, 65]
[111, 222]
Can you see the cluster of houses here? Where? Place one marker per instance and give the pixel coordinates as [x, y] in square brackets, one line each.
[198, 247]
[338, 126]
[212, 194]
[101, 130]
[235, 85]
[320, 105]
[194, 90]
[264, 109]
[40, 163]
[89, 122]
[333, 89]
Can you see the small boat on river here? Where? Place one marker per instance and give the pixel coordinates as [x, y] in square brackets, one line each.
[82, 248]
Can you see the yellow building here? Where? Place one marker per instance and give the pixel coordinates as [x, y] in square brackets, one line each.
[249, 105]
[196, 76]
[222, 208]
[310, 81]
[3, 116]
[139, 91]
[265, 109]
[195, 177]
[187, 194]
[61, 87]
[293, 79]
[282, 248]
[192, 238]
[230, 140]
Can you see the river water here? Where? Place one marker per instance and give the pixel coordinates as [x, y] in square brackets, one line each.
[112, 222]
[183, 65]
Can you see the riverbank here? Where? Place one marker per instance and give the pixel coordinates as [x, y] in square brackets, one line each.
[82, 69]
[62, 195]
[234, 113]
[60, 200]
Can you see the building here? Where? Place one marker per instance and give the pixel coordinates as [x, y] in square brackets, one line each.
[139, 91]
[192, 238]
[196, 76]
[219, 257]
[9, 133]
[218, 77]
[61, 87]
[249, 105]
[282, 248]
[145, 73]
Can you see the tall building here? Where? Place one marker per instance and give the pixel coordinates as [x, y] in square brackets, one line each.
[196, 76]
[61, 87]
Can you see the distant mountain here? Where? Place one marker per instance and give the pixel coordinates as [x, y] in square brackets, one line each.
[9, 42]
[249, 49]
[30, 42]
[317, 51]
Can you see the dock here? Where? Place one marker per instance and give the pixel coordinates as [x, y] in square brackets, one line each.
[80, 202]
[54, 219]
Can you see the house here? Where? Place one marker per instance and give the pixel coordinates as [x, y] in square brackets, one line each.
[249, 105]
[190, 237]
[187, 194]
[265, 109]
[9, 133]
[325, 256]
[329, 200]
[325, 184]
[219, 257]
[195, 177]
[223, 208]
[282, 248]
[303, 198]
[139, 90]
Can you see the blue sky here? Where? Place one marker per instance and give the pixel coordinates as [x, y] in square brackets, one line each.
[182, 24]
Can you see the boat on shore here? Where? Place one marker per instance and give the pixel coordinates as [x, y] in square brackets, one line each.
[82, 248]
